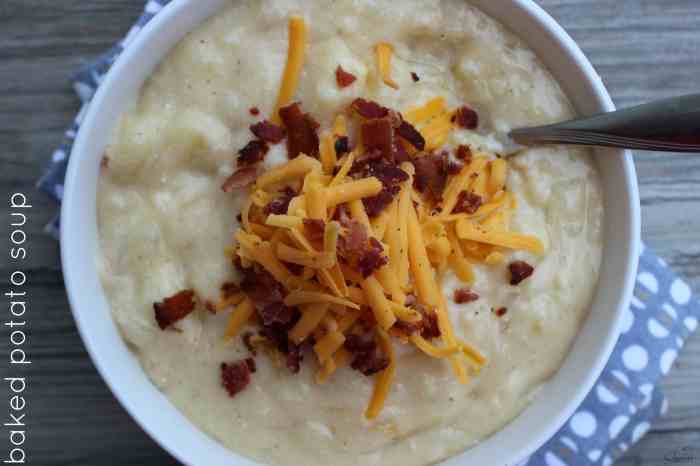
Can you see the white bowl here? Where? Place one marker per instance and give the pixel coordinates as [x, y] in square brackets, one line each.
[152, 410]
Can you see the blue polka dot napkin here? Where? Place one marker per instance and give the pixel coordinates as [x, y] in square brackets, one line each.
[624, 401]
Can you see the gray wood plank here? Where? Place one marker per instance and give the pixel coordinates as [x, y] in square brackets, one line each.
[643, 49]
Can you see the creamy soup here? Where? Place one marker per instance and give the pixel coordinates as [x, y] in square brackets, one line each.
[165, 222]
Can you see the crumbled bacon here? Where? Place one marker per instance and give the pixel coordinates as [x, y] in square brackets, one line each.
[276, 313]
[358, 250]
[343, 78]
[209, 306]
[240, 179]
[431, 174]
[314, 229]
[235, 376]
[354, 238]
[255, 111]
[378, 135]
[465, 295]
[268, 131]
[372, 258]
[174, 308]
[366, 355]
[519, 271]
[464, 153]
[466, 117]
[261, 287]
[467, 203]
[400, 153]
[369, 109]
[501, 311]
[387, 173]
[408, 132]
[280, 205]
[342, 145]
[376, 204]
[302, 137]
[252, 153]
[415, 77]
[431, 329]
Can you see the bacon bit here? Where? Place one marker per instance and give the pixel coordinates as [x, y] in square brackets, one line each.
[454, 167]
[400, 153]
[240, 179]
[501, 311]
[387, 173]
[276, 313]
[431, 329]
[268, 131]
[252, 153]
[342, 145]
[415, 77]
[378, 135]
[465, 295]
[295, 269]
[314, 229]
[372, 258]
[343, 78]
[519, 271]
[248, 344]
[209, 306]
[354, 238]
[369, 109]
[466, 117]
[467, 203]
[464, 153]
[255, 111]
[261, 287]
[174, 308]
[280, 205]
[229, 289]
[235, 376]
[408, 132]
[358, 250]
[431, 174]
[376, 204]
[302, 137]
[367, 357]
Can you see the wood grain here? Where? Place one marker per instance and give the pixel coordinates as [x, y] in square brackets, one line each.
[643, 49]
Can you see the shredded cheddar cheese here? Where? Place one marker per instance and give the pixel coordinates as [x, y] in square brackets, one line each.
[320, 248]
[384, 52]
[295, 62]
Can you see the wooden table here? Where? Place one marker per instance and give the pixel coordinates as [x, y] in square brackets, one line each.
[643, 49]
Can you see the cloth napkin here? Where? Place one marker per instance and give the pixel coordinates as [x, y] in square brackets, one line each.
[626, 399]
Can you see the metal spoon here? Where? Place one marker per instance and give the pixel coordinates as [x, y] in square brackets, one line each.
[670, 125]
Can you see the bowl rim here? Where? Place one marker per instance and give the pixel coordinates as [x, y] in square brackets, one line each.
[151, 423]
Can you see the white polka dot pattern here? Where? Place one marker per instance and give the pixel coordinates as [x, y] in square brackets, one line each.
[583, 424]
[635, 358]
[680, 291]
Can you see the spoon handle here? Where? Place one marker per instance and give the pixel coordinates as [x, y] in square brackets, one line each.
[671, 125]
